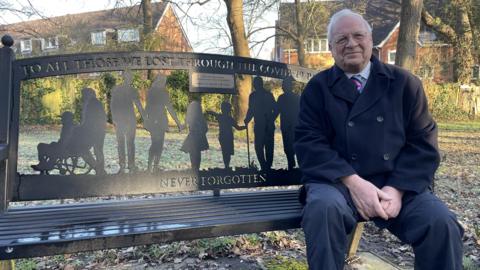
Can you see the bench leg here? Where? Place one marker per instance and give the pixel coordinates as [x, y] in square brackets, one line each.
[354, 241]
[7, 265]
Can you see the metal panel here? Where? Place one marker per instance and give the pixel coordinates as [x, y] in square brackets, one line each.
[78, 186]
[38, 67]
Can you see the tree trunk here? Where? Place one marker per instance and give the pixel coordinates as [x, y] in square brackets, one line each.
[147, 18]
[407, 39]
[240, 48]
[147, 30]
[464, 60]
[300, 41]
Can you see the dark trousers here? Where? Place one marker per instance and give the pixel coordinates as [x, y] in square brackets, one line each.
[423, 222]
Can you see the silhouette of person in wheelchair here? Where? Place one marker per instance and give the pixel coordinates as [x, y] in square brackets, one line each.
[50, 153]
[76, 141]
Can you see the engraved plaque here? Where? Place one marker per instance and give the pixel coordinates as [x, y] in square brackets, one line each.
[212, 83]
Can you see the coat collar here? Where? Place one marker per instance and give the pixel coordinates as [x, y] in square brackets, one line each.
[377, 83]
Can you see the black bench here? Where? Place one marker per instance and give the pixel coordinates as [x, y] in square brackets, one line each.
[29, 231]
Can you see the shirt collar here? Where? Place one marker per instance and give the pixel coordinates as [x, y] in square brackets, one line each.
[365, 73]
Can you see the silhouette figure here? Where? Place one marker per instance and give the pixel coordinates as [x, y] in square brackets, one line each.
[124, 97]
[48, 153]
[225, 136]
[156, 121]
[261, 107]
[91, 132]
[288, 106]
[196, 140]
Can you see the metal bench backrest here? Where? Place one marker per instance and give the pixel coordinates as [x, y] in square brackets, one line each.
[25, 187]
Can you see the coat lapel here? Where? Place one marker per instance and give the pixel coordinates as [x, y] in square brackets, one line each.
[378, 82]
[372, 92]
[341, 86]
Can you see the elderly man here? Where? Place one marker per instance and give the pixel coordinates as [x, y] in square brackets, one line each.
[367, 147]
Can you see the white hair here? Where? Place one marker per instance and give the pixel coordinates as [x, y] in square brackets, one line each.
[341, 14]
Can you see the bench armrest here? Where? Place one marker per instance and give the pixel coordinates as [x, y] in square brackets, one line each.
[3, 152]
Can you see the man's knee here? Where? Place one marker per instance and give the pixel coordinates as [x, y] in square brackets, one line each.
[428, 218]
[325, 203]
[443, 222]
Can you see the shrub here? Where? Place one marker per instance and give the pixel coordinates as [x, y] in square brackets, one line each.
[445, 101]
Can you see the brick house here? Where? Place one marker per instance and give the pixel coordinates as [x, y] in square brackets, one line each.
[434, 57]
[105, 30]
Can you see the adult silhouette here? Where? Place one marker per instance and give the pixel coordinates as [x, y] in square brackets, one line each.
[91, 132]
[261, 107]
[156, 121]
[288, 106]
[124, 96]
[196, 140]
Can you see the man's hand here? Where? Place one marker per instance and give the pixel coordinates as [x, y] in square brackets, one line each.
[366, 197]
[392, 207]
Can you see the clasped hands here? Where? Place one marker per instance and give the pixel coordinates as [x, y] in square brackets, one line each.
[371, 201]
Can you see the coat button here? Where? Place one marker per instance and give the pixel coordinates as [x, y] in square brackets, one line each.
[380, 119]
[354, 157]
[351, 123]
[386, 156]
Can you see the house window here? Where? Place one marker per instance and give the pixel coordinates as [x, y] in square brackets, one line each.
[427, 37]
[476, 72]
[426, 72]
[391, 56]
[316, 45]
[50, 43]
[99, 38]
[26, 45]
[308, 45]
[128, 35]
[324, 45]
[445, 69]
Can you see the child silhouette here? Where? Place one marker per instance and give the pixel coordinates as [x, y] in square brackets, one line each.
[225, 136]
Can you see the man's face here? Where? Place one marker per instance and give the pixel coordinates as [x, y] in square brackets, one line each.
[351, 44]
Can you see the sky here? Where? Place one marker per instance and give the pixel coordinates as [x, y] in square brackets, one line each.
[203, 40]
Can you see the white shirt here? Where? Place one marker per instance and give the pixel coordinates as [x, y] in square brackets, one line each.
[365, 73]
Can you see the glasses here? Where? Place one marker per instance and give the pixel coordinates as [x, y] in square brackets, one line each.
[342, 40]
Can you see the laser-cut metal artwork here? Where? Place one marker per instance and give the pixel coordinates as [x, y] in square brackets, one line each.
[81, 159]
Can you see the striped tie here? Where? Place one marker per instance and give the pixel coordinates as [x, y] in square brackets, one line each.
[357, 80]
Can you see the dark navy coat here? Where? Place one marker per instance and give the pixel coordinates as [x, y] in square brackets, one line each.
[386, 134]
